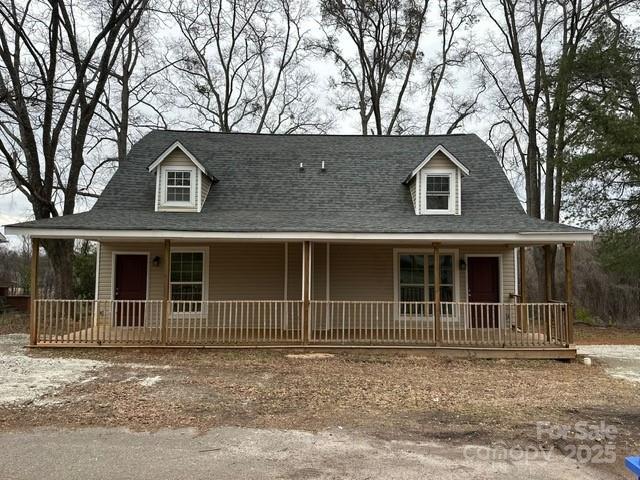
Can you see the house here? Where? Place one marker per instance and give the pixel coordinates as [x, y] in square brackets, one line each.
[218, 239]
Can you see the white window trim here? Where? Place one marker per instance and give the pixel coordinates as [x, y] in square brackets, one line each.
[454, 191]
[432, 154]
[428, 251]
[162, 178]
[205, 273]
[169, 151]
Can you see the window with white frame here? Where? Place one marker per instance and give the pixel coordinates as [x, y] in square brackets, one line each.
[187, 280]
[415, 282]
[179, 186]
[411, 286]
[438, 192]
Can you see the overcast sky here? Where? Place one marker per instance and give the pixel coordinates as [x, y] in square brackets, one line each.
[14, 207]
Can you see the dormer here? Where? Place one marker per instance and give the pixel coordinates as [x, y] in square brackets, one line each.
[182, 181]
[435, 184]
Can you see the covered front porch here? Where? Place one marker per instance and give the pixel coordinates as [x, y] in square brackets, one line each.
[310, 293]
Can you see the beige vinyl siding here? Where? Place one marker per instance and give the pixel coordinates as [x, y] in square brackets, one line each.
[255, 271]
[206, 186]
[319, 282]
[246, 271]
[412, 188]
[361, 272]
[440, 160]
[201, 183]
[294, 286]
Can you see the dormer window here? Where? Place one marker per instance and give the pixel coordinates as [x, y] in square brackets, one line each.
[435, 184]
[182, 182]
[179, 187]
[438, 193]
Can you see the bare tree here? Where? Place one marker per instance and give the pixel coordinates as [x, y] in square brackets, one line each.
[385, 35]
[454, 52]
[52, 78]
[132, 102]
[241, 65]
[532, 66]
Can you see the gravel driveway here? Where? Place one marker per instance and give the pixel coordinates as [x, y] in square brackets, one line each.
[25, 379]
[622, 361]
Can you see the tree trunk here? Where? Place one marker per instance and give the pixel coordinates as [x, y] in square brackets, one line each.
[538, 255]
[60, 254]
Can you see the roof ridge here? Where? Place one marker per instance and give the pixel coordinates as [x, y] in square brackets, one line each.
[351, 135]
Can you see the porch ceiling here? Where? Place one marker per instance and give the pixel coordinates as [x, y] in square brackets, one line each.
[520, 238]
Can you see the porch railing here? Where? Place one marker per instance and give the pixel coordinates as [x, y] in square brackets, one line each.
[234, 322]
[292, 322]
[462, 323]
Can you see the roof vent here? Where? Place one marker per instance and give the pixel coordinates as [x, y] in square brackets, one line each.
[301, 167]
[322, 167]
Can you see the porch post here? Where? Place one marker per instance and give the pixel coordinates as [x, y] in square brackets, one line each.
[306, 277]
[548, 290]
[164, 321]
[436, 286]
[522, 311]
[522, 274]
[547, 274]
[35, 257]
[568, 288]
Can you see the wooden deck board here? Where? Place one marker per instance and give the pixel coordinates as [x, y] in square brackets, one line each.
[108, 335]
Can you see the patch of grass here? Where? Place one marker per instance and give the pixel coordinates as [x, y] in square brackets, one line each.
[584, 316]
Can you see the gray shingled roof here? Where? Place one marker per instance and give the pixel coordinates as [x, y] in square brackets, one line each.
[261, 188]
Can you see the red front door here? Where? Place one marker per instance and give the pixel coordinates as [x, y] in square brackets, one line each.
[483, 274]
[130, 284]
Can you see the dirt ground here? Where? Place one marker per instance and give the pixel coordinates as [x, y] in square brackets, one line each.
[390, 397]
[393, 396]
[591, 335]
[14, 323]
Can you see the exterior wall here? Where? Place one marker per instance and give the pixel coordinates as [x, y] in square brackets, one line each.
[294, 283]
[246, 271]
[206, 186]
[361, 272]
[319, 271]
[255, 271]
[237, 271]
[413, 185]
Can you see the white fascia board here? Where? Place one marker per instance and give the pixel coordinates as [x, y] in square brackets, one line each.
[170, 150]
[447, 153]
[526, 238]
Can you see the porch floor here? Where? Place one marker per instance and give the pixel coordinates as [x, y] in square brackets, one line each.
[206, 336]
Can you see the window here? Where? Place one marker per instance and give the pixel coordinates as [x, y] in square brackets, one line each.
[438, 192]
[414, 284]
[187, 280]
[179, 186]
